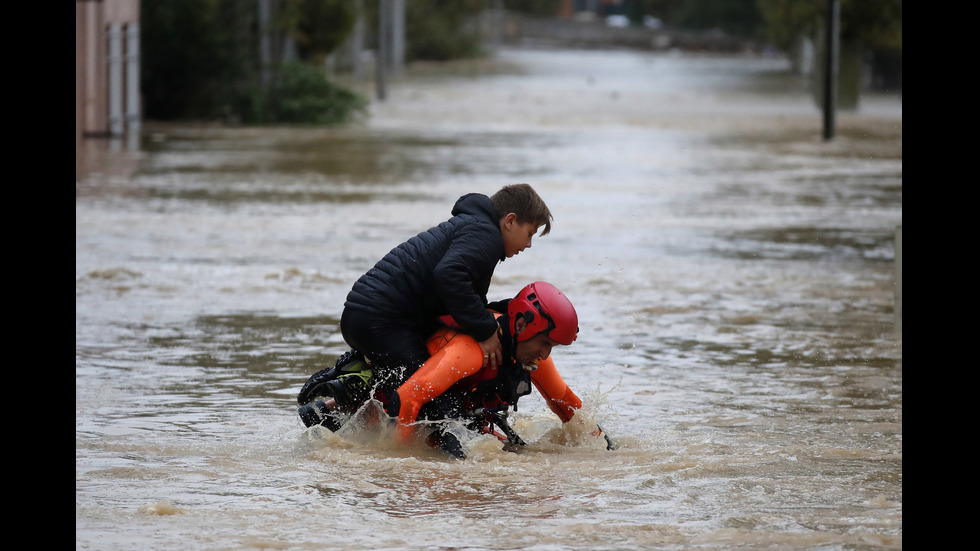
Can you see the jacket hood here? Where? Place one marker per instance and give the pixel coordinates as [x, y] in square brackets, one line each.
[476, 204]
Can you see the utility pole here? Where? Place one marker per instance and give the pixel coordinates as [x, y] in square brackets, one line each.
[831, 54]
[390, 58]
[265, 41]
[396, 57]
[384, 47]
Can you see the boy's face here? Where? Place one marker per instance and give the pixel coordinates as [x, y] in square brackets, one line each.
[517, 237]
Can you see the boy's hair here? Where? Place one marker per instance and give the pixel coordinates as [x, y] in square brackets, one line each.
[522, 200]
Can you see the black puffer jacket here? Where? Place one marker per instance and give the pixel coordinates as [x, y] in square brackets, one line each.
[444, 270]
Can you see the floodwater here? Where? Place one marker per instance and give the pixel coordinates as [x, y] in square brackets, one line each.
[735, 276]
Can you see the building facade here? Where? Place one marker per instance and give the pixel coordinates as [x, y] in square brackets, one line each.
[107, 68]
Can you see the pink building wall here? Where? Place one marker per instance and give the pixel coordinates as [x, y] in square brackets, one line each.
[106, 68]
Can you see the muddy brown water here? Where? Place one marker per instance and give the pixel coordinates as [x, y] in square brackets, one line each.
[734, 275]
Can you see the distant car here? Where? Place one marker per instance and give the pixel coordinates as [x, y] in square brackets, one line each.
[651, 22]
[617, 21]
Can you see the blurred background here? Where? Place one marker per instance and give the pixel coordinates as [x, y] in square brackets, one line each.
[322, 61]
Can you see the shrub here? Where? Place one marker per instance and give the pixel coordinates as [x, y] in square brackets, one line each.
[302, 94]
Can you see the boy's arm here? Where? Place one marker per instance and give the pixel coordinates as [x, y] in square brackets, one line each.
[462, 278]
[499, 306]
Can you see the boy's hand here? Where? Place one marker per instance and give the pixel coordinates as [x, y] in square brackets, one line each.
[492, 351]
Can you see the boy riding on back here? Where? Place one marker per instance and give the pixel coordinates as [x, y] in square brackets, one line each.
[394, 307]
[457, 382]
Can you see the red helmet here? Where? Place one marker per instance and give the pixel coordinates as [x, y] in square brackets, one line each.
[545, 309]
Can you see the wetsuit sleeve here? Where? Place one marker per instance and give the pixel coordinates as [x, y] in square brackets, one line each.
[455, 356]
[555, 392]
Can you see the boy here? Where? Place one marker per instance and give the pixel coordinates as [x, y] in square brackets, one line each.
[394, 307]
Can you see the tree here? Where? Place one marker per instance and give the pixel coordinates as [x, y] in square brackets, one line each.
[201, 60]
[868, 29]
[736, 17]
[197, 57]
[317, 27]
[437, 30]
